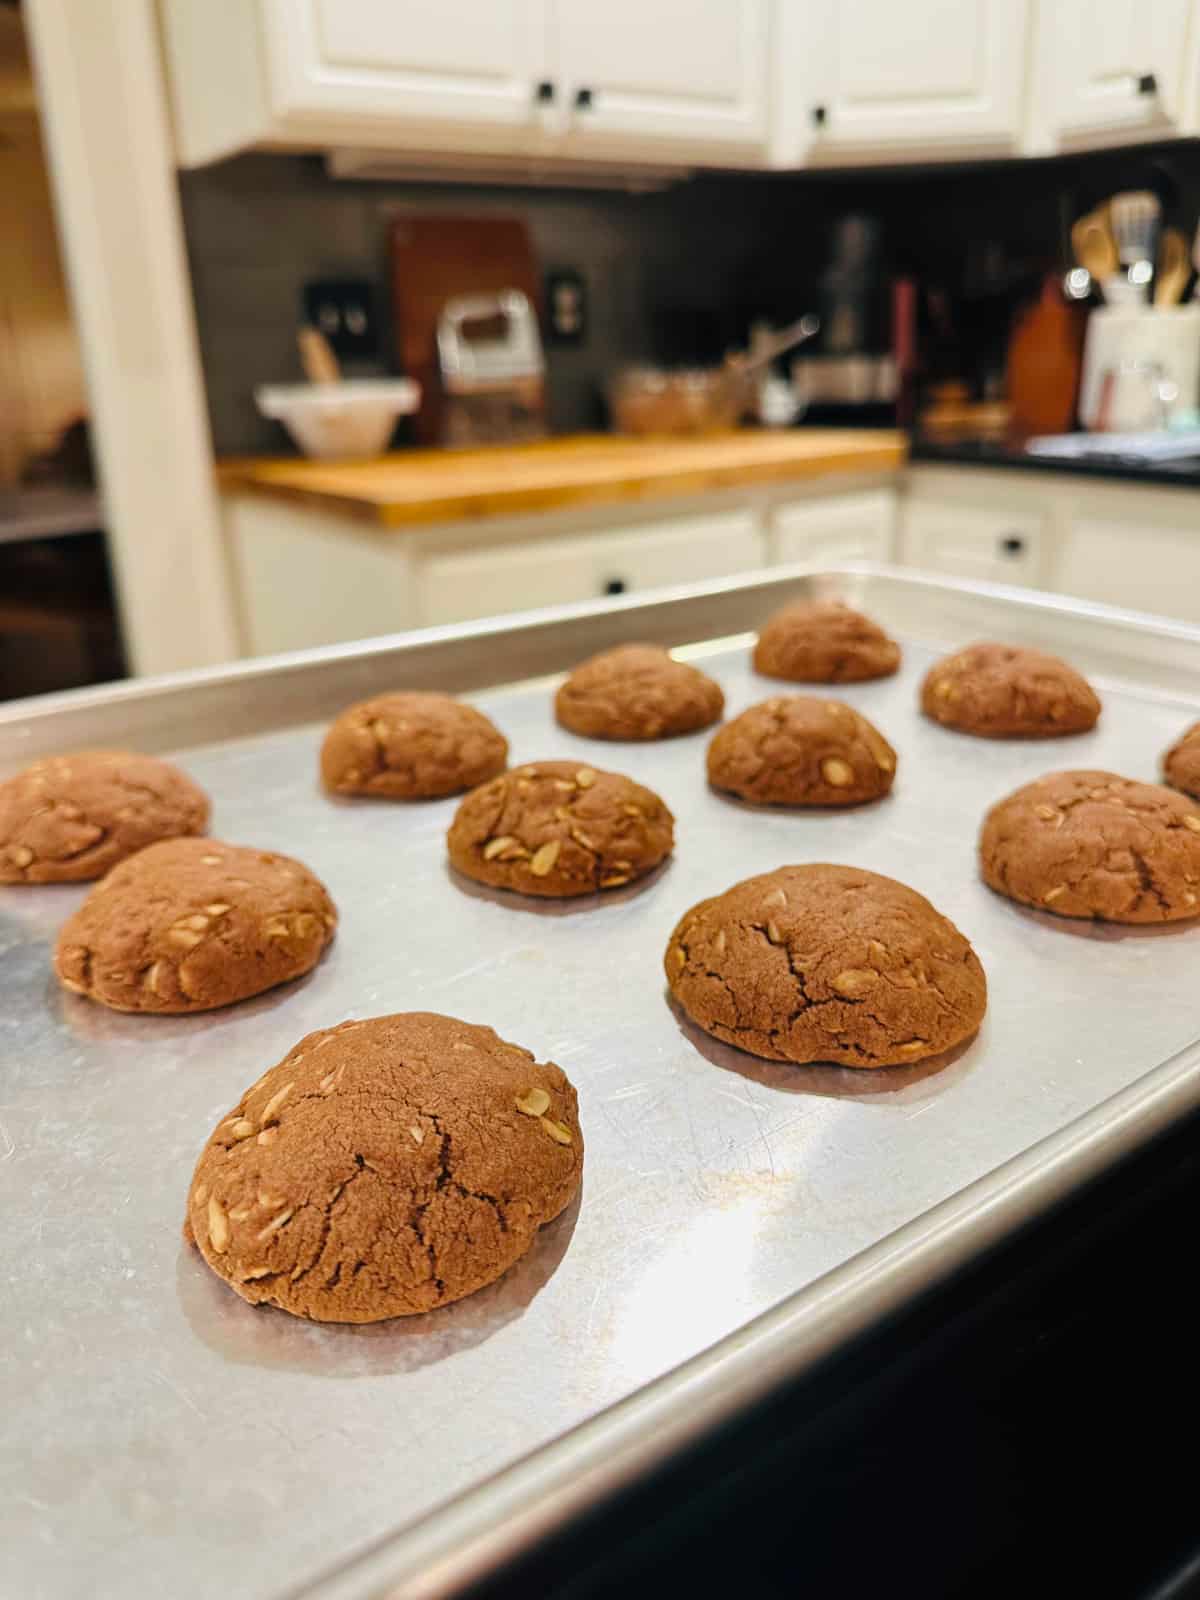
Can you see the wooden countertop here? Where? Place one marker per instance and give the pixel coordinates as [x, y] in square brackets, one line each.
[423, 486]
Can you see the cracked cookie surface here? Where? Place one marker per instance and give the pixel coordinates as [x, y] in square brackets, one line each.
[798, 750]
[637, 691]
[411, 745]
[1000, 691]
[70, 818]
[822, 641]
[385, 1168]
[190, 924]
[826, 963]
[1092, 844]
[558, 828]
[1181, 764]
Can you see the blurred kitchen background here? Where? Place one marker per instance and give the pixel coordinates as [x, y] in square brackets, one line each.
[326, 318]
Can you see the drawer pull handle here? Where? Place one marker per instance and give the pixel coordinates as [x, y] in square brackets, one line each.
[1012, 544]
[583, 99]
[820, 115]
[544, 92]
[1147, 84]
[615, 586]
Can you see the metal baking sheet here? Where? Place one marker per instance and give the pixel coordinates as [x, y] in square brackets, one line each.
[737, 1218]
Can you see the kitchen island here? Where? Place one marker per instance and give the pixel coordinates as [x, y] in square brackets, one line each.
[423, 537]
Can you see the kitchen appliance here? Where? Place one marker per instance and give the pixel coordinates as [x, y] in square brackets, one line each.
[823, 1202]
[1141, 367]
[492, 370]
[435, 259]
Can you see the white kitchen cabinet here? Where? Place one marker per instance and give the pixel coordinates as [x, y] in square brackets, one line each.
[476, 62]
[1002, 544]
[677, 81]
[1111, 71]
[827, 532]
[871, 80]
[690, 73]
[461, 586]
[1128, 544]
[1126, 557]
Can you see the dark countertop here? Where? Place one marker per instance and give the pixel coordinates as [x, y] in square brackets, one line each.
[1182, 474]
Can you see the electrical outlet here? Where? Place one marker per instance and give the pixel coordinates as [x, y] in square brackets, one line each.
[343, 309]
[566, 307]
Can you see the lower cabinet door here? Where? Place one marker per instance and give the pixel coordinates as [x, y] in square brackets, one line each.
[850, 527]
[461, 585]
[973, 542]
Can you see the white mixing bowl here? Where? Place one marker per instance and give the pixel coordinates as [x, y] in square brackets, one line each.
[344, 420]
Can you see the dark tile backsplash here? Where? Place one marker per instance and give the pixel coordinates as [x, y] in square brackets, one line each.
[673, 275]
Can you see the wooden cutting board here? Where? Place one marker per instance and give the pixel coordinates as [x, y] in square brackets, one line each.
[435, 258]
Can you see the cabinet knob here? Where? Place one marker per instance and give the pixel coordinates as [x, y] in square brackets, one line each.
[544, 93]
[615, 586]
[583, 99]
[820, 115]
[1012, 544]
[1147, 84]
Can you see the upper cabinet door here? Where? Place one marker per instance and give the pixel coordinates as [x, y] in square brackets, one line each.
[876, 80]
[473, 62]
[1107, 71]
[683, 76]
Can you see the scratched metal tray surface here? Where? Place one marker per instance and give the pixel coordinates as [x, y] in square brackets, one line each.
[737, 1217]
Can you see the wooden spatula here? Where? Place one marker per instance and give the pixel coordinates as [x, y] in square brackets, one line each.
[317, 357]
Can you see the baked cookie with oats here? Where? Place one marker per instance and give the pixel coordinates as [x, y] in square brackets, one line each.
[1092, 844]
[1181, 764]
[70, 818]
[191, 924]
[797, 750]
[637, 691]
[556, 828]
[826, 963]
[1002, 691]
[823, 641]
[411, 745]
[385, 1168]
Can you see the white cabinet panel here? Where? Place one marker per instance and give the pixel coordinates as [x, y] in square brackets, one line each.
[687, 72]
[1110, 70]
[459, 586]
[965, 541]
[473, 61]
[1130, 562]
[934, 77]
[852, 527]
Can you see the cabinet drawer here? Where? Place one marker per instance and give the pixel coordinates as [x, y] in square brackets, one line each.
[974, 542]
[852, 527]
[459, 586]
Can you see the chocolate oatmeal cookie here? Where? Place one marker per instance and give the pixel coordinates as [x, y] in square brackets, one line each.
[637, 691]
[557, 829]
[826, 963]
[1091, 844]
[190, 924]
[797, 750]
[999, 691]
[384, 1168]
[1181, 764]
[823, 641]
[69, 818]
[411, 746]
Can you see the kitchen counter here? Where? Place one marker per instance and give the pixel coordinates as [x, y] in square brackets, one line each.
[418, 487]
[1182, 474]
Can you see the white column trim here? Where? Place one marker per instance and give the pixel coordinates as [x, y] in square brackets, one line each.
[103, 106]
